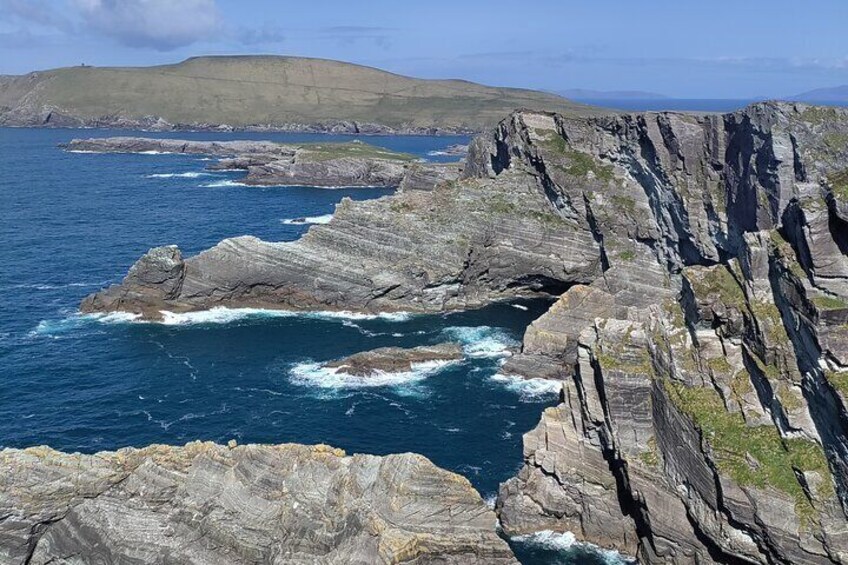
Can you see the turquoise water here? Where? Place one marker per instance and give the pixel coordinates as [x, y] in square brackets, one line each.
[72, 223]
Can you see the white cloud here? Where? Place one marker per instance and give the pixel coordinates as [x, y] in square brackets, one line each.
[160, 24]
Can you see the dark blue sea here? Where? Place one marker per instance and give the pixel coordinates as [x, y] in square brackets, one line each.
[72, 223]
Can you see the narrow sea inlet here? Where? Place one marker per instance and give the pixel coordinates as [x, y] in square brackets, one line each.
[72, 223]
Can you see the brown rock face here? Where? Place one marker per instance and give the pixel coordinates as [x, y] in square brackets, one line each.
[205, 503]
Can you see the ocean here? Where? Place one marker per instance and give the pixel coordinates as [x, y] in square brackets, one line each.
[72, 223]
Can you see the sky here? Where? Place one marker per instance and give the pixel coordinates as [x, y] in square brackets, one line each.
[680, 48]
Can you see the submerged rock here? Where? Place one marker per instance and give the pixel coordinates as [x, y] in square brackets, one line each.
[207, 503]
[395, 359]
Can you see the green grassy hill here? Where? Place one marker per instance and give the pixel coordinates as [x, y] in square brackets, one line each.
[261, 90]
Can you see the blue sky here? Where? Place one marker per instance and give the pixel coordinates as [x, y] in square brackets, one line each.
[682, 48]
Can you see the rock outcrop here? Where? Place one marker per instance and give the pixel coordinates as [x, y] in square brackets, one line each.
[267, 163]
[206, 503]
[701, 334]
[395, 359]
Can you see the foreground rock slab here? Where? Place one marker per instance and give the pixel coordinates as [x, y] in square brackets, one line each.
[205, 503]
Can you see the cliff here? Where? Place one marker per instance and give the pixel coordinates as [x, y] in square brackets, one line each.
[205, 503]
[260, 93]
[700, 334]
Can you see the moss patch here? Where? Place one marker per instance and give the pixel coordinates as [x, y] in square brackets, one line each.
[839, 184]
[353, 149]
[838, 380]
[826, 302]
[718, 281]
[753, 455]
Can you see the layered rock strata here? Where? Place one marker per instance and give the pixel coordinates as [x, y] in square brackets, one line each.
[207, 503]
[268, 163]
[700, 337]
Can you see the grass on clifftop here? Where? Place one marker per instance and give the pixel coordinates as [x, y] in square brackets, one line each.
[754, 455]
[351, 149]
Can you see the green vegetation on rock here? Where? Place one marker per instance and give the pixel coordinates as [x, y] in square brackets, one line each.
[719, 281]
[827, 302]
[352, 149]
[839, 381]
[753, 455]
[839, 184]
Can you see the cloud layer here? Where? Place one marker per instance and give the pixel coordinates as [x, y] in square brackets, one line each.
[157, 24]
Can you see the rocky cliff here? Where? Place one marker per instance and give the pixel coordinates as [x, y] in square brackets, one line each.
[328, 165]
[700, 334]
[205, 503]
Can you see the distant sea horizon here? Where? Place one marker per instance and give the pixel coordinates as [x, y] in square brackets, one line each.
[684, 104]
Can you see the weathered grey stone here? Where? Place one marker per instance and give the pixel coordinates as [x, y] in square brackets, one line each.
[207, 503]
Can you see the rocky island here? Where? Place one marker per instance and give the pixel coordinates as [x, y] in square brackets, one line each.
[328, 165]
[700, 331]
[396, 359]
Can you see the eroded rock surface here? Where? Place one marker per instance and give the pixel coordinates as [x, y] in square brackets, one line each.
[205, 503]
[700, 334]
[395, 359]
[268, 163]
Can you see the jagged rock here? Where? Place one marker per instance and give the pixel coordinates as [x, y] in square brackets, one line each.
[700, 337]
[207, 503]
[426, 176]
[269, 163]
[395, 359]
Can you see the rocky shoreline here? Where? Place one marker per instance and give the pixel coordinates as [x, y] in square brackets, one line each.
[205, 503]
[329, 165]
[700, 334]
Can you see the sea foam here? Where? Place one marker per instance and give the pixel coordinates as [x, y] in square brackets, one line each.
[563, 542]
[186, 175]
[324, 219]
[482, 341]
[529, 390]
[224, 315]
[317, 374]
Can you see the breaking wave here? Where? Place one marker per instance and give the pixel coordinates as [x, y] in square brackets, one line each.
[324, 219]
[187, 175]
[482, 341]
[566, 542]
[224, 315]
[529, 390]
[317, 374]
[223, 183]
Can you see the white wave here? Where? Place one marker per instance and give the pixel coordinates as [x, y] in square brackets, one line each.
[324, 219]
[153, 152]
[317, 374]
[529, 390]
[520, 307]
[223, 183]
[224, 315]
[52, 328]
[187, 175]
[483, 341]
[563, 542]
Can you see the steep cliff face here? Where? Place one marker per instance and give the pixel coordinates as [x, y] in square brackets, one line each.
[206, 503]
[703, 415]
[701, 333]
